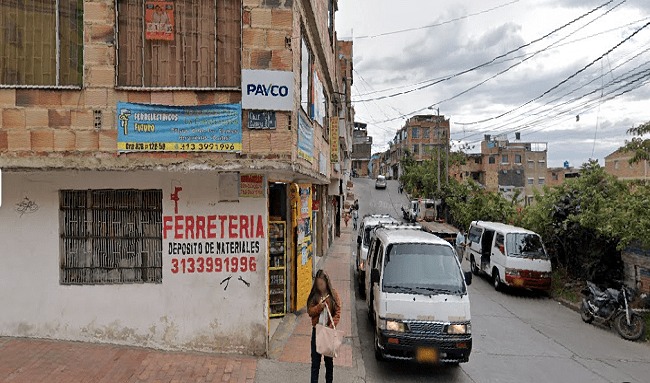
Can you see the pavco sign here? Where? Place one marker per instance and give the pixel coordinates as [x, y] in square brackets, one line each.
[267, 90]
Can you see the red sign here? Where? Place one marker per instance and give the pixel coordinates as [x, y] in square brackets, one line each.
[315, 205]
[159, 20]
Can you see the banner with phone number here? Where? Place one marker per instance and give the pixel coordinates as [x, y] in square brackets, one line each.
[162, 128]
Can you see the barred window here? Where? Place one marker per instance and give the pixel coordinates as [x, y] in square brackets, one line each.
[179, 44]
[41, 43]
[111, 236]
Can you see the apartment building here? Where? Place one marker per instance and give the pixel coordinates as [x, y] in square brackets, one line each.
[169, 169]
[361, 149]
[422, 137]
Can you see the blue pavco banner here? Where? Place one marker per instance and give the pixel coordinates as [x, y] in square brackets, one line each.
[161, 128]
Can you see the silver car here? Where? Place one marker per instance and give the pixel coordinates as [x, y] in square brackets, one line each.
[380, 183]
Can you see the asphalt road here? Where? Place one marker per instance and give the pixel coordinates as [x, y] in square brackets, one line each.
[517, 336]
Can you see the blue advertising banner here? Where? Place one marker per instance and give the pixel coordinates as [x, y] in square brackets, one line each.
[305, 138]
[161, 128]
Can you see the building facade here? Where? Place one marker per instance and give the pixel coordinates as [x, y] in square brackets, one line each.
[618, 164]
[512, 167]
[181, 164]
[423, 137]
[557, 176]
[361, 149]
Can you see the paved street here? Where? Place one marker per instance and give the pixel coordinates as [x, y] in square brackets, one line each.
[518, 337]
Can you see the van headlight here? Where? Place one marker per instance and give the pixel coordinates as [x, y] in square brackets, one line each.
[512, 272]
[458, 329]
[392, 325]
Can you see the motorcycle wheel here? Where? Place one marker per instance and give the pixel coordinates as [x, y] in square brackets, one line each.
[586, 316]
[634, 331]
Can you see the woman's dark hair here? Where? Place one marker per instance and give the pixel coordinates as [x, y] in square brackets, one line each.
[312, 300]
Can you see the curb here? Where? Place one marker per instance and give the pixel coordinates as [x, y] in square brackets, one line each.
[568, 304]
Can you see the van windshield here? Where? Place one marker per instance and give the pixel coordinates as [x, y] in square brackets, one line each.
[420, 268]
[524, 245]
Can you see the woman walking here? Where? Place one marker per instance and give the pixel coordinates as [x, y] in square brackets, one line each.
[322, 297]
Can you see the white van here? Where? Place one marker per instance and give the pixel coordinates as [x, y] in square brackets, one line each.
[368, 223]
[417, 297]
[510, 255]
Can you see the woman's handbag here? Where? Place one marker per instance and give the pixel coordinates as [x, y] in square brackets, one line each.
[328, 340]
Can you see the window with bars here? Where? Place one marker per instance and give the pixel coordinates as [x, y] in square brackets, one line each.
[181, 44]
[111, 236]
[41, 43]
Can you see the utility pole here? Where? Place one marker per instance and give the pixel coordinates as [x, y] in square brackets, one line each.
[438, 145]
[447, 147]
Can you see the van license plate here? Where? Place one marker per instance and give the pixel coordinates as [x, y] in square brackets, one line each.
[426, 355]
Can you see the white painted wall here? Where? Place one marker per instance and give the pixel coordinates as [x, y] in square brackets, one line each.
[186, 311]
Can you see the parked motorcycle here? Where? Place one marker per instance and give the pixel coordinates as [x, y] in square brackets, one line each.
[613, 308]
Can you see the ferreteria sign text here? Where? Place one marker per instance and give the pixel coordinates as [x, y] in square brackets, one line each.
[267, 90]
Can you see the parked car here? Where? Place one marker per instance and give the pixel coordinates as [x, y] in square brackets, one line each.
[380, 183]
[368, 224]
[417, 297]
[510, 255]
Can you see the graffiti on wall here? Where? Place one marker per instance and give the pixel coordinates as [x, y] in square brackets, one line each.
[26, 206]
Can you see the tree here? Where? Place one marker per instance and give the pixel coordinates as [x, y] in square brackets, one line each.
[639, 146]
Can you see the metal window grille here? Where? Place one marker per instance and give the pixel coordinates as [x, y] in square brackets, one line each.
[111, 236]
[202, 32]
[41, 43]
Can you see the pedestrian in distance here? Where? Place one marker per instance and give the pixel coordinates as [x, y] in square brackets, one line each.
[355, 219]
[400, 188]
[321, 298]
[356, 204]
[460, 244]
[346, 218]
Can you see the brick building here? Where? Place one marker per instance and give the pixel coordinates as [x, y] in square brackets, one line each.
[422, 137]
[179, 163]
[361, 149]
[507, 166]
[557, 176]
[618, 164]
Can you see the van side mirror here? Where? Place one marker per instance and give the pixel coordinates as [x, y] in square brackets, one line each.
[468, 278]
[374, 276]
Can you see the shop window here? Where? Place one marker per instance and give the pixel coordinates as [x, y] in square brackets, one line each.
[181, 44]
[42, 43]
[111, 236]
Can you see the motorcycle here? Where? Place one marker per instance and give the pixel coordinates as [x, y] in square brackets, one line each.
[613, 308]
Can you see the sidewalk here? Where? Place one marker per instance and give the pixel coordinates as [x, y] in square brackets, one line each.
[290, 355]
[36, 360]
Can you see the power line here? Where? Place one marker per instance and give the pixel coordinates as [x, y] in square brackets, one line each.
[518, 118]
[436, 24]
[561, 82]
[447, 78]
[511, 58]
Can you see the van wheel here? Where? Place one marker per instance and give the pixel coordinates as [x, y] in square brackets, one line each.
[473, 266]
[496, 280]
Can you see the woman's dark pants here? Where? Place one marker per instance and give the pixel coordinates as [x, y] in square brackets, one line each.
[315, 362]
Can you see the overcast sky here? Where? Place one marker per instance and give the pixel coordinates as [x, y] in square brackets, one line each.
[388, 64]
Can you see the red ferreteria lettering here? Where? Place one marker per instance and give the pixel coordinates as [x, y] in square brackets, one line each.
[243, 226]
[200, 227]
[189, 227]
[232, 226]
[167, 225]
[212, 226]
[260, 227]
[222, 221]
[178, 227]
